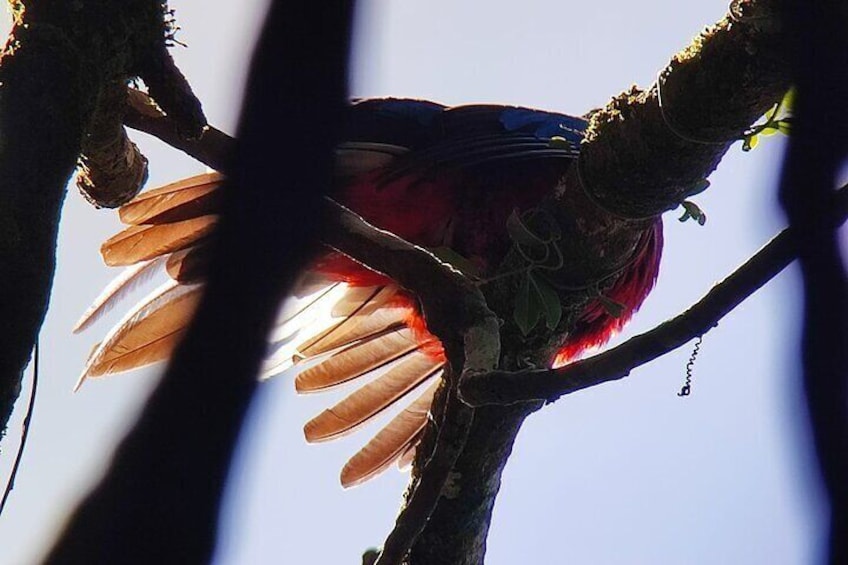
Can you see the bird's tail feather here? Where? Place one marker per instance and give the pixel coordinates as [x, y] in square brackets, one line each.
[337, 331]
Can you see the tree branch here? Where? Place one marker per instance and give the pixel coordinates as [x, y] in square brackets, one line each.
[111, 168]
[159, 501]
[213, 147]
[87, 48]
[434, 480]
[646, 150]
[817, 150]
[502, 388]
[632, 167]
[457, 313]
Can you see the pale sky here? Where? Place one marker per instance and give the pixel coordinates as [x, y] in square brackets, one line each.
[625, 473]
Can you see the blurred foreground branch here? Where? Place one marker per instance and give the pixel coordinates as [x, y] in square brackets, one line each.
[159, 501]
[817, 152]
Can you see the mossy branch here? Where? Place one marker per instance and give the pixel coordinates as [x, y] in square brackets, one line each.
[62, 71]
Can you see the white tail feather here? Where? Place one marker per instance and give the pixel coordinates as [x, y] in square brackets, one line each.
[155, 301]
[121, 286]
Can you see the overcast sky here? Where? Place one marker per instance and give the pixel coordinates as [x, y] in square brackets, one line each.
[619, 474]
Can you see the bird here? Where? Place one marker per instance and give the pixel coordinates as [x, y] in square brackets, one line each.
[450, 179]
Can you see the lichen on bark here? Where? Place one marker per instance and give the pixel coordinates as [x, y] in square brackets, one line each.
[60, 61]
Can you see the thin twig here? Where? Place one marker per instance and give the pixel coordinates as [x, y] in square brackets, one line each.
[24, 431]
[213, 148]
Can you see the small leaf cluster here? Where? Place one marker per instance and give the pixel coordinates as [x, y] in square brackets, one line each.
[777, 120]
[535, 235]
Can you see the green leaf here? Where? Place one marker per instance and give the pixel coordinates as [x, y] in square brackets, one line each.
[692, 210]
[769, 130]
[549, 299]
[750, 142]
[520, 233]
[785, 126]
[528, 308]
[613, 308]
[788, 102]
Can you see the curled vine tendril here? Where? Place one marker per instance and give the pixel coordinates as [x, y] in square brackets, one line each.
[686, 389]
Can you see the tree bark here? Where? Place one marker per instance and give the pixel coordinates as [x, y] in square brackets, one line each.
[635, 164]
[58, 63]
[159, 501]
[34, 122]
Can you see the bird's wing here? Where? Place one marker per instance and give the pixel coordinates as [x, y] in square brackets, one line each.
[350, 325]
[363, 334]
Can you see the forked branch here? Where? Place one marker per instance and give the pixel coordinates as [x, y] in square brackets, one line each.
[549, 385]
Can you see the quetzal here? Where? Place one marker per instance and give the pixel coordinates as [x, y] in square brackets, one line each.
[450, 179]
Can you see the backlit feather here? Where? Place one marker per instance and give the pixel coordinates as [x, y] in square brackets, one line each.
[357, 360]
[391, 442]
[373, 398]
[145, 335]
[121, 286]
[188, 198]
[140, 243]
[373, 317]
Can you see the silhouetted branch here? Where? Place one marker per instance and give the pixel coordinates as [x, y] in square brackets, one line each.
[214, 148]
[434, 480]
[87, 48]
[159, 501]
[817, 150]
